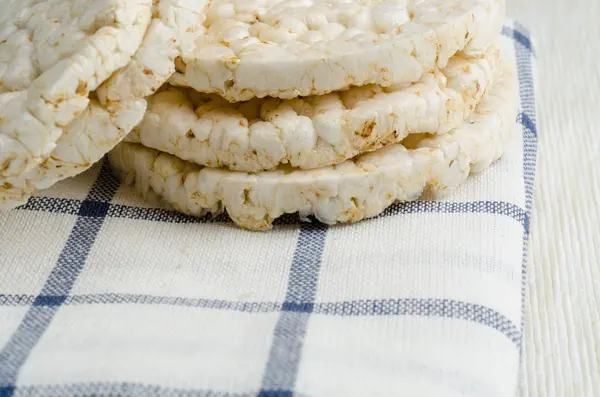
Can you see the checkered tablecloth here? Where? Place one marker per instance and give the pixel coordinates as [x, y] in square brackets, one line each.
[104, 295]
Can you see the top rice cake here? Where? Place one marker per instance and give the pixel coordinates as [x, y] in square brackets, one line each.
[286, 49]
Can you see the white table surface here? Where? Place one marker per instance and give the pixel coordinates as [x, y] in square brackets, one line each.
[562, 310]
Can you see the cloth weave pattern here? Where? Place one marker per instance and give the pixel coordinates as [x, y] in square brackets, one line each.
[102, 294]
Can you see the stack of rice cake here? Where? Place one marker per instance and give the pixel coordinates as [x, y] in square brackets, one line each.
[333, 108]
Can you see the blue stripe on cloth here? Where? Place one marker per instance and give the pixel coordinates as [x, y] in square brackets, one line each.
[280, 373]
[521, 30]
[59, 283]
[115, 390]
[524, 54]
[519, 34]
[526, 122]
[375, 307]
[52, 204]
[527, 116]
[446, 308]
[70, 206]
[450, 207]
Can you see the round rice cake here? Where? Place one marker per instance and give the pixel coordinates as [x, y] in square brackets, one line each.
[84, 141]
[290, 48]
[118, 105]
[175, 26]
[316, 131]
[348, 192]
[53, 53]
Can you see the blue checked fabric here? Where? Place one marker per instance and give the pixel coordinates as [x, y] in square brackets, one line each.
[103, 295]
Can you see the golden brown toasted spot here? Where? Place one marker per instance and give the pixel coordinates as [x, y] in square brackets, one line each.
[179, 65]
[367, 129]
[81, 88]
[5, 164]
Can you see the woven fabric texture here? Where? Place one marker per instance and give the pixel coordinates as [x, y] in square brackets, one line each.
[102, 294]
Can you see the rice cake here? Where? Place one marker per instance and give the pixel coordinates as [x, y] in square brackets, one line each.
[316, 131]
[118, 105]
[290, 48]
[348, 192]
[53, 53]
